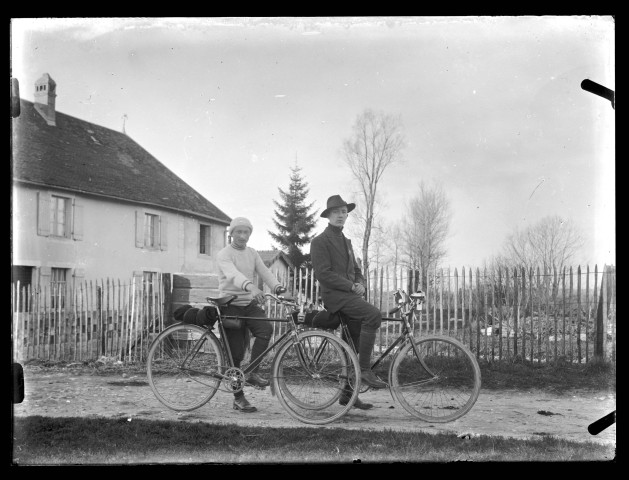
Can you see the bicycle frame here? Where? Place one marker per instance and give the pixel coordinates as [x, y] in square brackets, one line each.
[285, 337]
[408, 307]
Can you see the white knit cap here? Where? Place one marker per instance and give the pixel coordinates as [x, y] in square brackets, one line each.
[240, 222]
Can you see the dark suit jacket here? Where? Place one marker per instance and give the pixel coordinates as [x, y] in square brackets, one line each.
[335, 271]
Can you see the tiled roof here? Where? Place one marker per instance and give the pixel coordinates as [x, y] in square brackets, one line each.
[269, 256]
[84, 157]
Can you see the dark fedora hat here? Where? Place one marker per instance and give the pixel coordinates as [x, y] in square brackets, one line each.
[335, 201]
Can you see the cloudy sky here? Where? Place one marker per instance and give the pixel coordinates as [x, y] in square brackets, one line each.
[492, 109]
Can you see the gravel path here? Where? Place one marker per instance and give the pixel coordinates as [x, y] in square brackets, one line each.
[503, 413]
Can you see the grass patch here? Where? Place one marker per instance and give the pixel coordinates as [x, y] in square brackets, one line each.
[54, 441]
[560, 378]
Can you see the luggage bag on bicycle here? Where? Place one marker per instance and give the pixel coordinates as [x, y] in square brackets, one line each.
[205, 316]
[322, 319]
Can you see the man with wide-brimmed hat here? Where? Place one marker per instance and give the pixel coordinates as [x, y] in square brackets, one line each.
[342, 288]
[238, 264]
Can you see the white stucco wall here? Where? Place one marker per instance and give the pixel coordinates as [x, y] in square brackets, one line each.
[108, 248]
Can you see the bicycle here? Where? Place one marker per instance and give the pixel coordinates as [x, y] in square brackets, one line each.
[187, 364]
[435, 378]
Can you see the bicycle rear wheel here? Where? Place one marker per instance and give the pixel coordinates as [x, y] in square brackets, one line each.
[440, 388]
[184, 365]
[310, 374]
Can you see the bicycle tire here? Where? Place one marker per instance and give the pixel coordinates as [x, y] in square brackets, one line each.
[442, 398]
[179, 386]
[309, 385]
[313, 346]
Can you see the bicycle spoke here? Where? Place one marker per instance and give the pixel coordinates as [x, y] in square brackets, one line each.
[183, 367]
[448, 392]
[309, 377]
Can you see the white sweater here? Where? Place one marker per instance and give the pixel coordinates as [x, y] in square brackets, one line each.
[236, 270]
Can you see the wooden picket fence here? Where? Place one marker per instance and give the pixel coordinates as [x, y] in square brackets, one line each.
[534, 315]
[502, 315]
[94, 320]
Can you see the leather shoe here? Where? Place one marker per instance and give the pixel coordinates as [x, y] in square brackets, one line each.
[357, 404]
[369, 378]
[242, 404]
[257, 381]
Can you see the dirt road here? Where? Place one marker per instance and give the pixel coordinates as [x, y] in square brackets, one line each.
[504, 413]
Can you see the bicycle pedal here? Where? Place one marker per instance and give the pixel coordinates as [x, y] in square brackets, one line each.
[257, 387]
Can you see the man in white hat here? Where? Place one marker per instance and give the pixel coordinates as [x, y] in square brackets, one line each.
[342, 289]
[237, 264]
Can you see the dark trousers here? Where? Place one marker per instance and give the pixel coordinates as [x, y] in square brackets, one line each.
[363, 320]
[359, 311]
[354, 327]
[261, 330]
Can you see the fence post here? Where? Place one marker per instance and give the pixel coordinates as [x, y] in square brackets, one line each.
[441, 302]
[579, 313]
[507, 312]
[587, 320]
[539, 317]
[516, 308]
[601, 320]
[456, 302]
[434, 305]
[500, 321]
[470, 306]
[570, 315]
[99, 318]
[478, 304]
[484, 298]
[525, 302]
[532, 305]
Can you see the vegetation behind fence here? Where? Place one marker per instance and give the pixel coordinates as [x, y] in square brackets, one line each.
[533, 315]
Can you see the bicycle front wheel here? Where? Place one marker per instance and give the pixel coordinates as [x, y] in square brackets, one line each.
[311, 374]
[441, 384]
[184, 365]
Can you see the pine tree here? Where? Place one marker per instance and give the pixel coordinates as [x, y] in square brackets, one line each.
[293, 220]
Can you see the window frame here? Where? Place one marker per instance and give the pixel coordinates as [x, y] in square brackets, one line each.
[207, 245]
[157, 234]
[54, 282]
[54, 222]
[152, 231]
[48, 222]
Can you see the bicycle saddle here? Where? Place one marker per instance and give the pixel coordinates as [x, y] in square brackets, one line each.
[220, 301]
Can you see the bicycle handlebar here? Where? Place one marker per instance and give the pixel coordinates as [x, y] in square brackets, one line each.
[407, 303]
[281, 299]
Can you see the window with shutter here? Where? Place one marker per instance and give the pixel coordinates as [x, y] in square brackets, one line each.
[59, 216]
[151, 230]
[205, 239]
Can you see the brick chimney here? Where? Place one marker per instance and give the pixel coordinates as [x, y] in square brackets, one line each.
[45, 93]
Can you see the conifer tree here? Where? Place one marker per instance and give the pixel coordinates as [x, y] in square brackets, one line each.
[293, 220]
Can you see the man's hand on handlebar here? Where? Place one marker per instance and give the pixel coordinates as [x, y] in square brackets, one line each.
[280, 289]
[257, 294]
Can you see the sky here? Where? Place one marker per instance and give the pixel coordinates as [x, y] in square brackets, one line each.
[491, 107]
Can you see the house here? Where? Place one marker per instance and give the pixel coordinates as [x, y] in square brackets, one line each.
[89, 203]
[279, 263]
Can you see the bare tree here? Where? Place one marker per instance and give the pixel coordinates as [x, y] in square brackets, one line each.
[550, 243]
[426, 228]
[376, 143]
